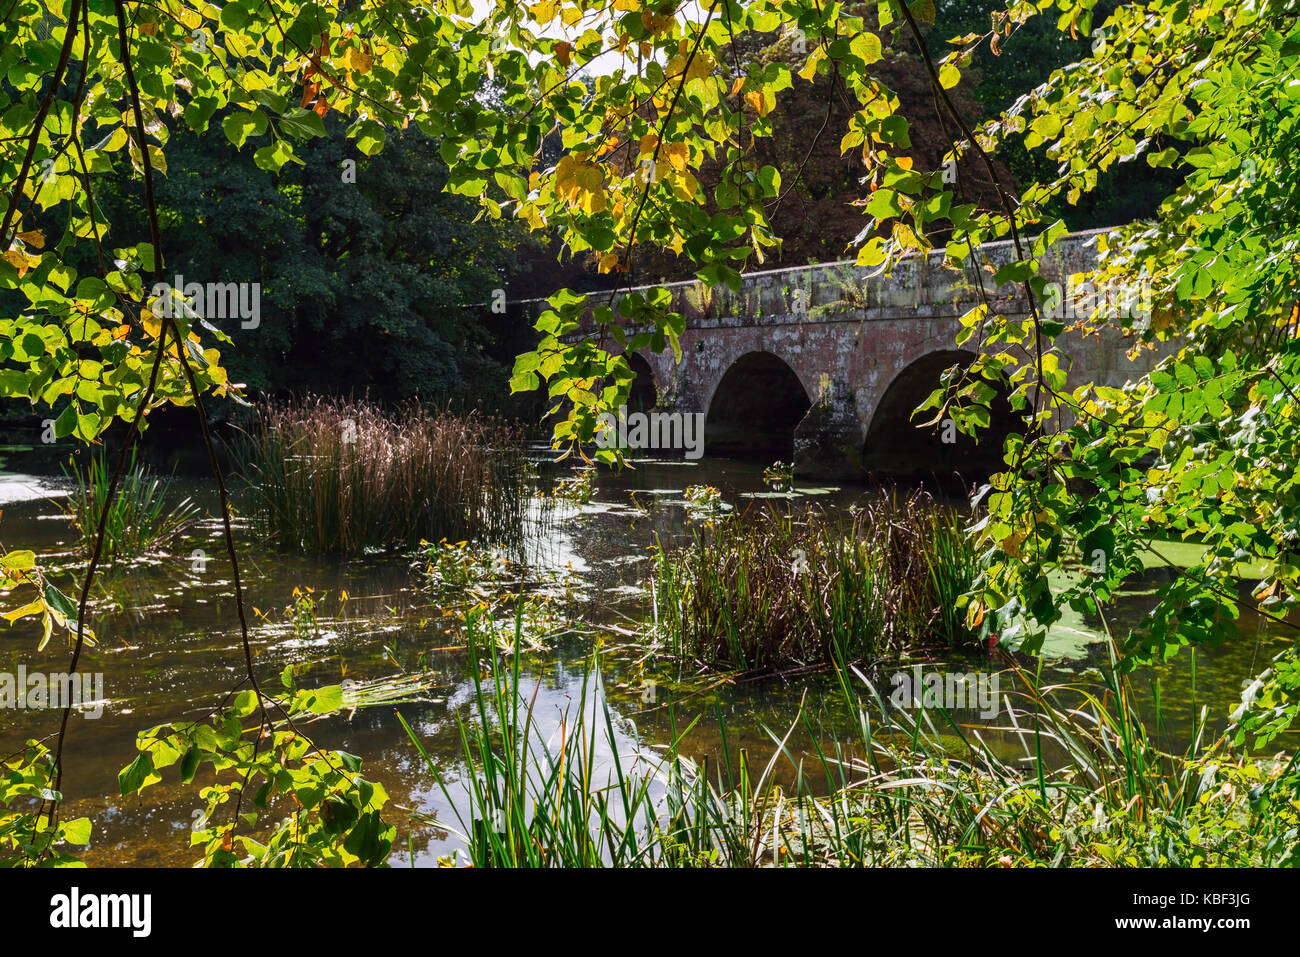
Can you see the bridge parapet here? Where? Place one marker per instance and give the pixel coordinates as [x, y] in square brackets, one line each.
[918, 287]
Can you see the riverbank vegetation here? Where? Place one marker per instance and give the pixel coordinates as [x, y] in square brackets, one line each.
[141, 516]
[776, 590]
[339, 477]
[678, 161]
[1076, 780]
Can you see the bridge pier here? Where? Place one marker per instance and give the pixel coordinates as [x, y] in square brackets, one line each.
[828, 440]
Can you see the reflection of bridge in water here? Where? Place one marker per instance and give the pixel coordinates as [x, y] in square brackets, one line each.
[825, 364]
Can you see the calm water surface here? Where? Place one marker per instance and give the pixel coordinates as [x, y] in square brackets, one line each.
[169, 649]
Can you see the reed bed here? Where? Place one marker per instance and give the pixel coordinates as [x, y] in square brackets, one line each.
[1092, 788]
[341, 477]
[139, 521]
[528, 802]
[778, 591]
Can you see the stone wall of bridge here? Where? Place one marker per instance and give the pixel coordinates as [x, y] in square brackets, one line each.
[828, 360]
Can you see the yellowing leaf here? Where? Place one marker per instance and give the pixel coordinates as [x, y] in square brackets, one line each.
[20, 260]
[810, 67]
[544, 12]
[867, 46]
[654, 22]
[700, 67]
[357, 60]
[685, 187]
[677, 155]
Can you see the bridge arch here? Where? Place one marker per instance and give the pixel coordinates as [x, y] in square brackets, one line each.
[644, 394]
[754, 408]
[898, 445]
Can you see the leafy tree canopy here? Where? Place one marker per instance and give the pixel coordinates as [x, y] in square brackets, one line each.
[1204, 447]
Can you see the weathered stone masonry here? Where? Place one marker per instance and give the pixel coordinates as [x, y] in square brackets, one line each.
[847, 337]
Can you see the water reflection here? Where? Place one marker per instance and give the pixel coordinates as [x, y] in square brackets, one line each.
[169, 650]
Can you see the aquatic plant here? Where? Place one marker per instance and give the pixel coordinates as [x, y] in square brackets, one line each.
[303, 613]
[704, 500]
[389, 690]
[465, 569]
[529, 804]
[774, 591]
[523, 623]
[577, 489]
[138, 522]
[779, 476]
[1093, 789]
[335, 476]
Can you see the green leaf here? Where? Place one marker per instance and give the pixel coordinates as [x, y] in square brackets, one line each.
[133, 778]
[234, 16]
[884, 204]
[324, 700]
[272, 157]
[302, 124]
[349, 761]
[524, 382]
[1014, 272]
[240, 126]
[370, 137]
[76, 832]
[60, 602]
[189, 764]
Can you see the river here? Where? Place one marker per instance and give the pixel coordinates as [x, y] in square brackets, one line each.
[169, 648]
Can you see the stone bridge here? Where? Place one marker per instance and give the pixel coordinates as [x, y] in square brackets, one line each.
[824, 364]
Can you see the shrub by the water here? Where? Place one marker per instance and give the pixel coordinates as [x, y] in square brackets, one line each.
[331, 476]
[782, 591]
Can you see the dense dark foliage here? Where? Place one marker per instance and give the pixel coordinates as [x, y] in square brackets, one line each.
[370, 273]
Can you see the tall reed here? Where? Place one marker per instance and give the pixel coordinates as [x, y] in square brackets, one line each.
[334, 476]
[580, 802]
[780, 591]
[140, 519]
[1089, 787]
